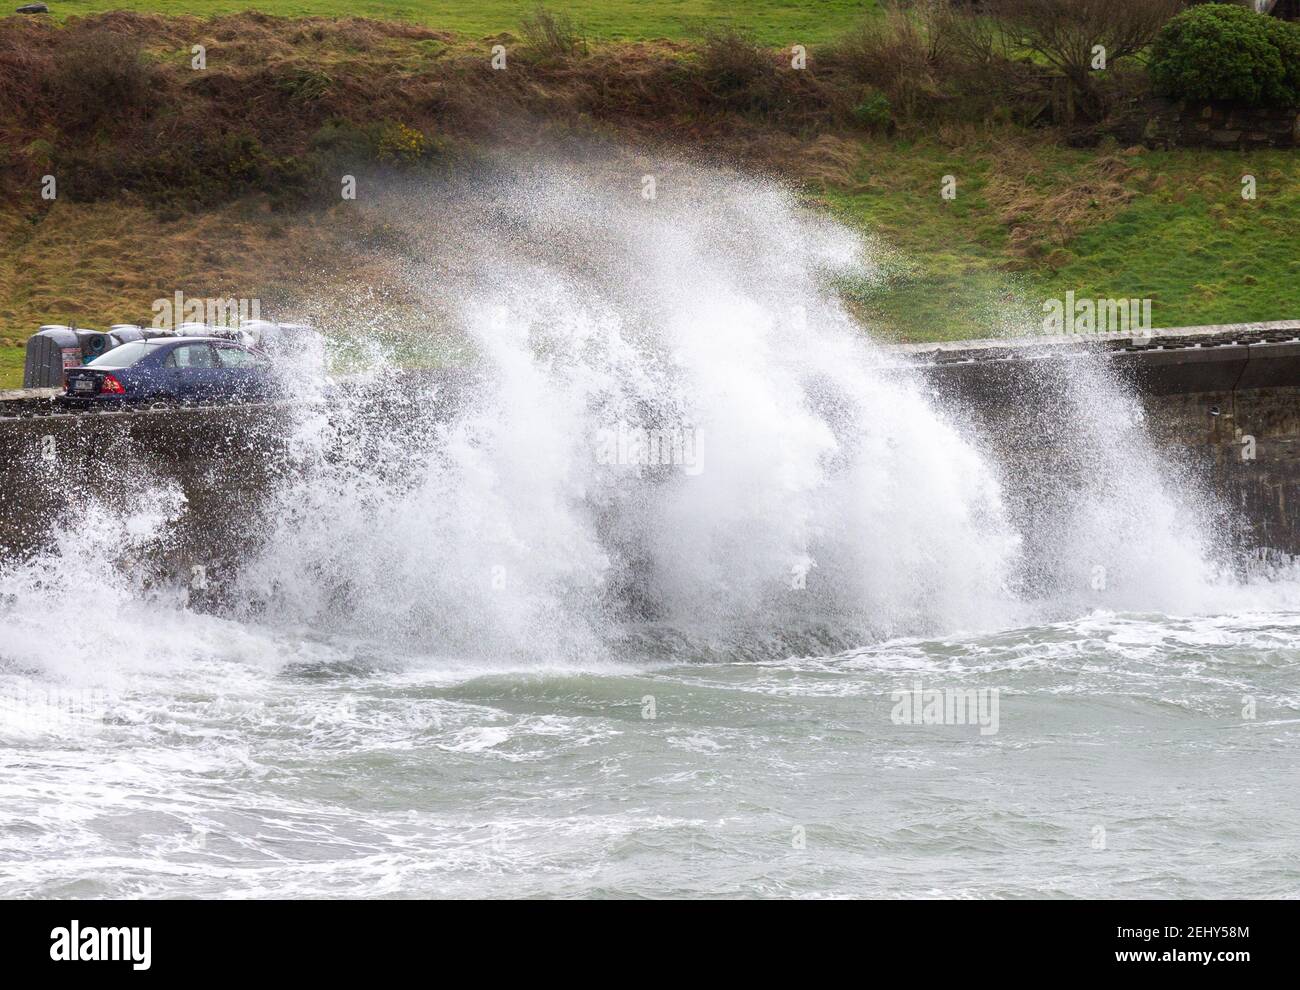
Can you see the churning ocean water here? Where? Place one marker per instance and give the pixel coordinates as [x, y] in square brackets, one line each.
[827, 646]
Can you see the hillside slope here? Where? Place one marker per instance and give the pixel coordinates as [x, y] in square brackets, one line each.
[225, 181]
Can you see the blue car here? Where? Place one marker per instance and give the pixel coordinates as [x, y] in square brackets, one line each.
[185, 369]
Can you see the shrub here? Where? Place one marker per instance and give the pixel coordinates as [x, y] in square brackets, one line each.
[1069, 35]
[551, 36]
[1286, 36]
[733, 60]
[40, 151]
[903, 54]
[874, 110]
[738, 72]
[398, 144]
[1220, 51]
[101, 76]
[934, 61]
[341, 145]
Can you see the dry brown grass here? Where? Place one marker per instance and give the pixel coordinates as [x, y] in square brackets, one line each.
[98, 263]
[1042, 217]
[280, 80]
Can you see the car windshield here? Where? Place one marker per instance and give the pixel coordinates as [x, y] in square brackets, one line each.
[124, 355]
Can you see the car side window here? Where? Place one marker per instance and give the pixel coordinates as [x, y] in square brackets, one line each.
[236, 357]
[192, 356]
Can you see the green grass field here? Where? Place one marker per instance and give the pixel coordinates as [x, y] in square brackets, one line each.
[773, 22]
[1031, 223]
[11, 366]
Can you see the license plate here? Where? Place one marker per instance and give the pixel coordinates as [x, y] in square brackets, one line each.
[84, 385]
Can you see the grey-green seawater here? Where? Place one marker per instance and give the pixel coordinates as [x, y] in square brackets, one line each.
[1122, 766]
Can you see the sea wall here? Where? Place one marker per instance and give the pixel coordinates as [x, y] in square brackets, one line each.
[211, 468]
[1224, 400]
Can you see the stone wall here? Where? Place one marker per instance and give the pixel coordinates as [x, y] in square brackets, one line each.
[1184, 123]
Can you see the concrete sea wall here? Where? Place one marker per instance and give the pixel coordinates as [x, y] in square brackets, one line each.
[1223, 400]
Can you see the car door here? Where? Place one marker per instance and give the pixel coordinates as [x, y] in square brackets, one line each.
[196, 368]
[240, 372]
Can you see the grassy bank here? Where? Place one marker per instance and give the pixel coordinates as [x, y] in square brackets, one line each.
[11, 367]
[178, 184]
[1033, 220]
